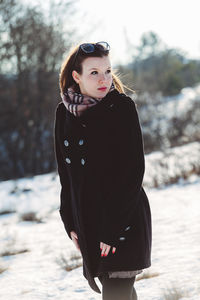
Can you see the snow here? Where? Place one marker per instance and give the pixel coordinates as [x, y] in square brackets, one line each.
[181, 103]
[37, 273]
[172, 165]
[173, 118]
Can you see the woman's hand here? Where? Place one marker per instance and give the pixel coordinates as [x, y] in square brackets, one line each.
[105, 249]
[75, 239]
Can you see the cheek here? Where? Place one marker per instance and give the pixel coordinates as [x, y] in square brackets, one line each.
[87, 81]
[91, 78]
[110, 78]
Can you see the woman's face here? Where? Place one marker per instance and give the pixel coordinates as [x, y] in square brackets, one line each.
[96, 73]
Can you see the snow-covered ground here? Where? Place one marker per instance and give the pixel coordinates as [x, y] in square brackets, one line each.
[37, 273]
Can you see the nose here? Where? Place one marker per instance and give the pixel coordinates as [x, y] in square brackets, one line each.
[102, 78]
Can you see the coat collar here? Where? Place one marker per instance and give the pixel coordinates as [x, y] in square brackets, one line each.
[92, 113]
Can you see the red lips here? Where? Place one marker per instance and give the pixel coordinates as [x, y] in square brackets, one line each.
[102, 88]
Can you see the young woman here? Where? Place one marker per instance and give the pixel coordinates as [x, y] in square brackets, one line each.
[100, 159]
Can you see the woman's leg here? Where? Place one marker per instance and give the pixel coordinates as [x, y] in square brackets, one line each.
[134, 294]
[117, 288]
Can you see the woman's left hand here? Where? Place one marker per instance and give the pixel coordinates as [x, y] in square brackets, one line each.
[105, 249]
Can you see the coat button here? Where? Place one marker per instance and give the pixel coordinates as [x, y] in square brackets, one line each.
[81, 142]
[82, 161]
[127, 228]
[68, 160]
[66, 143]
[122, 238]
[83, 125]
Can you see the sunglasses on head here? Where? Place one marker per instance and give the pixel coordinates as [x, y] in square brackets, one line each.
[91, 47]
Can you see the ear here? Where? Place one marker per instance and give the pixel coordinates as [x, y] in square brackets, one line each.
[75, 76]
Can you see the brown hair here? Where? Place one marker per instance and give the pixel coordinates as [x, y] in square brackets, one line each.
[65, 77]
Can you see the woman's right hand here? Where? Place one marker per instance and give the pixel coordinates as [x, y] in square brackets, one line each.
[75, 239]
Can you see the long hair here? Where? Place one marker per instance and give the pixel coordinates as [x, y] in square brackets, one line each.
[65, 77]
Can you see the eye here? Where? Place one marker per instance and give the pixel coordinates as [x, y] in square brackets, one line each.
[109, 71]
[93, 72]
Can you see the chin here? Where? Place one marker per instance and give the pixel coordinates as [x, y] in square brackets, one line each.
[101, 94]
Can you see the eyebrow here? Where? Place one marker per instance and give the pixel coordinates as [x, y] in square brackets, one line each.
[97, 68]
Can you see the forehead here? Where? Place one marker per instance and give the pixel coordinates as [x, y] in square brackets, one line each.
[96, 62]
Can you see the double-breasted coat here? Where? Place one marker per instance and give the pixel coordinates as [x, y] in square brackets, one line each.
[100, 160]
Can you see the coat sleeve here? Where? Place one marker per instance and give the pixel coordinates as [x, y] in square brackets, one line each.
[65, 209]
[124, 177]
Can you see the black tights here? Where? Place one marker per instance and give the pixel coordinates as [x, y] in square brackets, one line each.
[117, 288]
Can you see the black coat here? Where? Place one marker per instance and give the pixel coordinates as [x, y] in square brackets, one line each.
[100, 160]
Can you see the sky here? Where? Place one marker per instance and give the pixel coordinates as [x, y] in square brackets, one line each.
[176, 22]
[122, 23]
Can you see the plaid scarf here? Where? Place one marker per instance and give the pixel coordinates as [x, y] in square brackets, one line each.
[76, 103]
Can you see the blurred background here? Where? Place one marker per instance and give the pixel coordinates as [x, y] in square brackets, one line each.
[155, 49]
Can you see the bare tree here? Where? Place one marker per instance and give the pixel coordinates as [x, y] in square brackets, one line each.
[31, 51]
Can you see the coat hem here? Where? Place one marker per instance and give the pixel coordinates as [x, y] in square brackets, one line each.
[113, 269]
